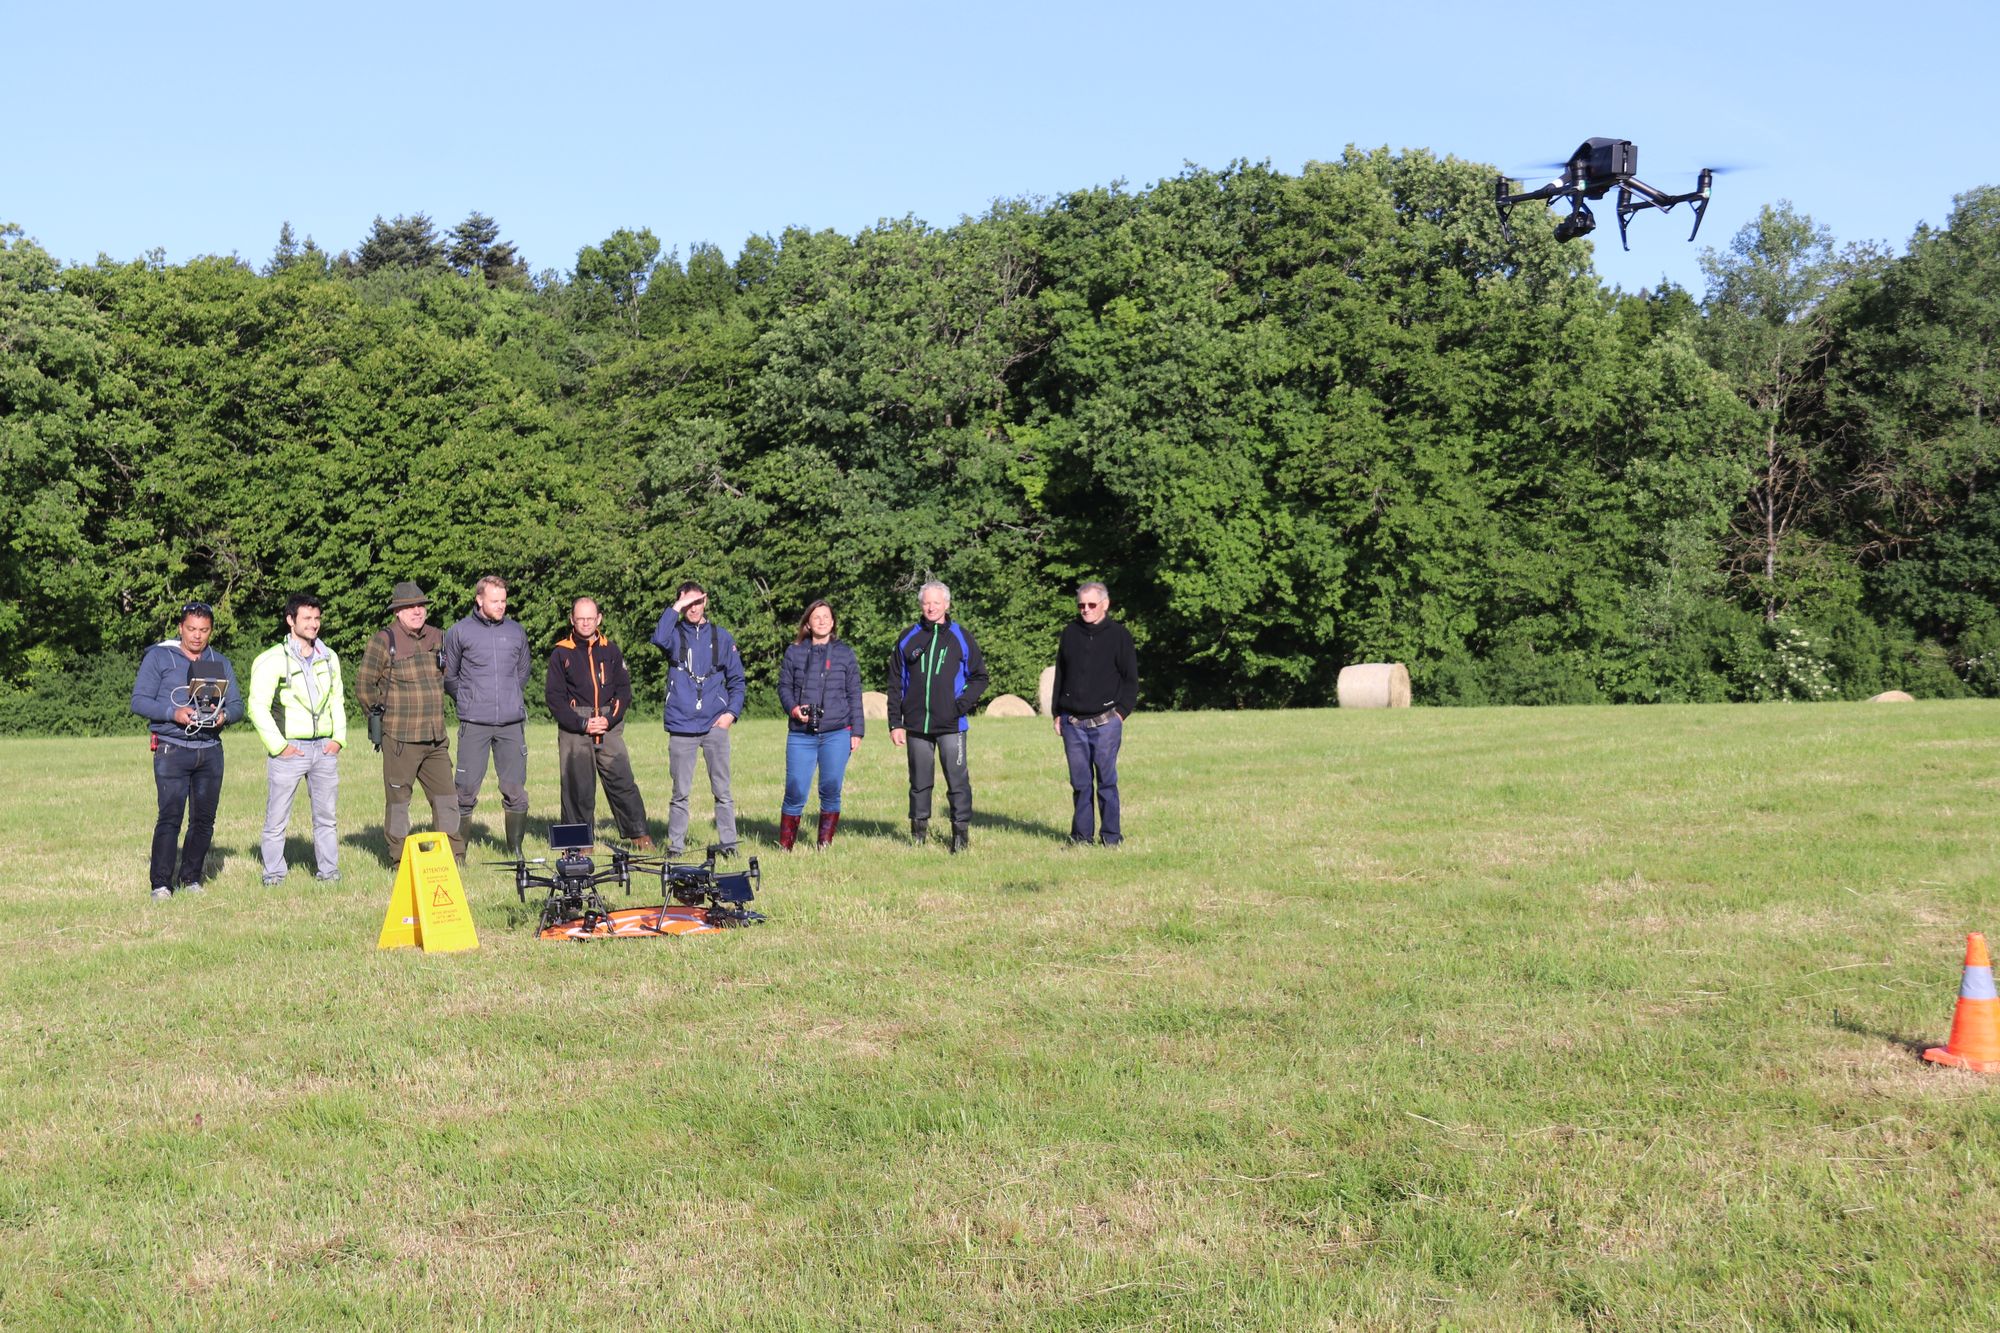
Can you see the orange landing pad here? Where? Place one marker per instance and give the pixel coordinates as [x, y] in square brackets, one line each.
[636, 923]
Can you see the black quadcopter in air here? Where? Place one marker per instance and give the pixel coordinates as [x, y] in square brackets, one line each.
[1592, 170]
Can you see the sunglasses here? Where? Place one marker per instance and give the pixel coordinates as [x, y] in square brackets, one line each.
[197, 609]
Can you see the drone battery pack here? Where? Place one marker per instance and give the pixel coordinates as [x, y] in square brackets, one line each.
[1613, 157]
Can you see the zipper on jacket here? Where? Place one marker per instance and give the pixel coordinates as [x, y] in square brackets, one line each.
[931, 665]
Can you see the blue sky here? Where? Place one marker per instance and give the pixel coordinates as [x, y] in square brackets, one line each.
[200, 128]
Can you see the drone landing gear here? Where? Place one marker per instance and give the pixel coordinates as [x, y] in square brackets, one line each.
[1635, 195]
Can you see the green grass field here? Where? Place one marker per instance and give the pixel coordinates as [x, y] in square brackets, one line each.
[1602, 1018]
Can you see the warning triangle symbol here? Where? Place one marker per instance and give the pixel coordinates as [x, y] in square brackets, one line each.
[441, 896]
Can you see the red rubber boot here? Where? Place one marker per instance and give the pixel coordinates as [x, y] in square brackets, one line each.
[788, 831]
[827, 824]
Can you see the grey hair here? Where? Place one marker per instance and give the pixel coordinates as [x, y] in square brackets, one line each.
[939, 586]
[1096, 587]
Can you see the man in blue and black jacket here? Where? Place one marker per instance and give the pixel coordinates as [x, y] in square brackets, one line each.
[187, 691]
[705, 691]
[936, 676]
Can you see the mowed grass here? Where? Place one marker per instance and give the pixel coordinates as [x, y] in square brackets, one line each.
[1602, 1018]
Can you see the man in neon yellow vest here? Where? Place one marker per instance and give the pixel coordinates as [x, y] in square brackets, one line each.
[298, 707]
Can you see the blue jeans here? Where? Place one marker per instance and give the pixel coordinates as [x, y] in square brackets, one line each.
[188, 782]
[804, 749]
[1093, 756]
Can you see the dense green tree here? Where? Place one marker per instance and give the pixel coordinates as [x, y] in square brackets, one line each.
[1769, 323]
[611, 277]
[73, 447]
[476, 248]
[1918, 380]
[400, 243]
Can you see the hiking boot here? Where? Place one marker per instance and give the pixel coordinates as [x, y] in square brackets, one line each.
[643, 843]
[960, 841]
[919, 830]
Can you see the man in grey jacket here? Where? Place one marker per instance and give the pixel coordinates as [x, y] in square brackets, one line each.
[486, 666]
[187, 692]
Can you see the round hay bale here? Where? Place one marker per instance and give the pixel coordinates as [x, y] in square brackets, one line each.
[1045, 696]
[1892, 697]
[1010, 705]
[1373, 685]
[874, 706]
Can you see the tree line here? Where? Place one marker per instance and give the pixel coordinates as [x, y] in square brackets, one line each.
[1294, 421]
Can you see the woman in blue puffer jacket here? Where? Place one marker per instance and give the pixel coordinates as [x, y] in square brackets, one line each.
[820, 686]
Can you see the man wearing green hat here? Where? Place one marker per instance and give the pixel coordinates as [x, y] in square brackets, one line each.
[401, 684]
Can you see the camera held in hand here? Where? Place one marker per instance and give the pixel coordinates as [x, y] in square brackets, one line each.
[813, 712]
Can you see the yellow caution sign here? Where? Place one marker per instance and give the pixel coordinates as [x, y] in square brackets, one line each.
[427, 906]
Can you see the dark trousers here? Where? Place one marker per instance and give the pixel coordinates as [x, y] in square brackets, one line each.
[407, 765]
[1093, 762]
[188, 782]
[925, 751]
[580, 763]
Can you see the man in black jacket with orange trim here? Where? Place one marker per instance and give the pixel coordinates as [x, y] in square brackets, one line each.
[589, 691]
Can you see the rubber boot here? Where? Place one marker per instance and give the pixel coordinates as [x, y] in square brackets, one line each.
[919, 830]
[960, 839]
[517, 829]
[827, 824]
[788, 830]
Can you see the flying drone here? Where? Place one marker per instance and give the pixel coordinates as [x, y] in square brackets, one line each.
[1592, 170]
[694, 898]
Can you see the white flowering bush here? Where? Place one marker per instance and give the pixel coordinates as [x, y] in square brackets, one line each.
[1794, 669]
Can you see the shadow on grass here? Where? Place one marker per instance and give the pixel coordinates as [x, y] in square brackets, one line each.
[1914, 1045]
[766, 830]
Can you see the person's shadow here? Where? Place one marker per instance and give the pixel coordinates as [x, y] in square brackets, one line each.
[766, 830]
[371, 839]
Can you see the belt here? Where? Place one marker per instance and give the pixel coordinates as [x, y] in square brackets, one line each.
[1103, 719]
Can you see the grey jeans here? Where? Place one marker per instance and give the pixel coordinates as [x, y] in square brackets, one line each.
[924, 751]
[320, 772]
[509, 746]
[713, 747]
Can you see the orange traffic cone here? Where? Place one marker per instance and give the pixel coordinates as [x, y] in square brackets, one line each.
[1975, 1026]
